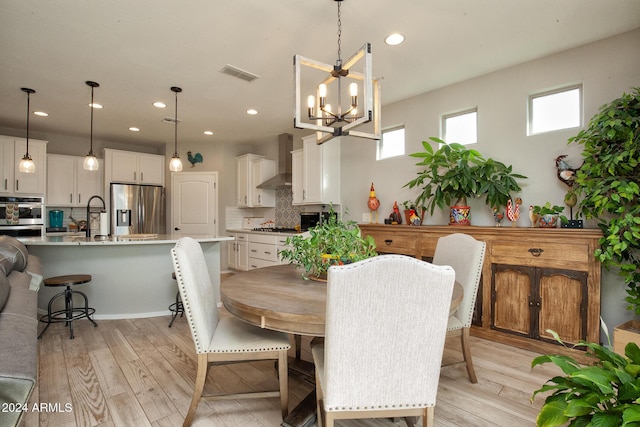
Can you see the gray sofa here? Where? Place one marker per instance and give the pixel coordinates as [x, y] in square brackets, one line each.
[20, 279]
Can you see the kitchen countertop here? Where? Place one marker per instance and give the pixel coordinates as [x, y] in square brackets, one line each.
[81, 239]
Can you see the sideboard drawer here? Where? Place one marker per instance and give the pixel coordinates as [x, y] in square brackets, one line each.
[397, 243]
[540, 253]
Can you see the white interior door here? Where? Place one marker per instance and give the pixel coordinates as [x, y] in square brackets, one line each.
[194, 203]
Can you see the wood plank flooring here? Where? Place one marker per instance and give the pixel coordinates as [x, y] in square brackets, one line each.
[139, 372]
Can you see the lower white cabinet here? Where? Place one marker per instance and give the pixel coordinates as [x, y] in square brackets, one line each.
[262, 251]
[237, 252]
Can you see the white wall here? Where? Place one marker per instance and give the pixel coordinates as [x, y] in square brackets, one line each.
[606, 69]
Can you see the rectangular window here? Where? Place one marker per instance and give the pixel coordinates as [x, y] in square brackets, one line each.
[391, 144]
[555, 110]
[460, 127]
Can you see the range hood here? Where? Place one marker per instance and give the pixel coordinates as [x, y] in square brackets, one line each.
[283, 178]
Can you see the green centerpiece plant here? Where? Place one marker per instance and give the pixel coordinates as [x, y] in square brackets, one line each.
[547, 215]
[331, 242]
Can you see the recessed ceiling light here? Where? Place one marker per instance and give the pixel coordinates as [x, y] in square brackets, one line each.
[208, 132]
[159, 104]
[41, 113]
[134, 129]
[394, 39]
[95, 105]
[252, 111]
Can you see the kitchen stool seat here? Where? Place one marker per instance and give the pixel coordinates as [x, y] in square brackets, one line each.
[176, 308]
[69, 313]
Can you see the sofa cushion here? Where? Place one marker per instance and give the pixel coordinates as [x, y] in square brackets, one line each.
[15, 250]
[5, 288]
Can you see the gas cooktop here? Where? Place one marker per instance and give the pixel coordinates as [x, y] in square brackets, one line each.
[276, 229]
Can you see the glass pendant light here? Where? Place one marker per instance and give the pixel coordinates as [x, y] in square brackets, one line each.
[26, 163]
[175, 165]
[90, 160]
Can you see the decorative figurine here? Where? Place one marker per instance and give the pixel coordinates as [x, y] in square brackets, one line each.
[194, 159]
[513, 212]
[373, 204]
[395, 216]
[533, 217]
[498, 217]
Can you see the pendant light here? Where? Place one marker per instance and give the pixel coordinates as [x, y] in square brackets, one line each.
[90, 160]
[341, 80]
[175, 165]
[26, 163]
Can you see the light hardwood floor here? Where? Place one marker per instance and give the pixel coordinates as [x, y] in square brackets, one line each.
[139, 372]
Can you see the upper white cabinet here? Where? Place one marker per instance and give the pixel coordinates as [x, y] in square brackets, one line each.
[69, 184]
[12, 180]
[253, 170]
[320, 173]
[134, 168]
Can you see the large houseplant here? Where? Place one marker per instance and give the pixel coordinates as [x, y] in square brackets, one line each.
[331, 242]
[609, 181]
[604, 394]
[454, 172]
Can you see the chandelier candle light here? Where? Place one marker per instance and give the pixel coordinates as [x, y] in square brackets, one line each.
[329, 122]
[175, 165]
[26, 163]
[90, 160]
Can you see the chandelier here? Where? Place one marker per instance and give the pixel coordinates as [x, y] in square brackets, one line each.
[26, 164]
[337, 82]
[175, 165]
[90, 160]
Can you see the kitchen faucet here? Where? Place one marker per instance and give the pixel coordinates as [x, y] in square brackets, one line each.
[104, 208]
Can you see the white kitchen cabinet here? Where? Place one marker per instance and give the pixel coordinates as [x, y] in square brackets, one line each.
[281, 244]
[297, 168]
[69, 184]
[237, 252]
[135, 168]
[262, 170]
[252, 170]
[263, 251]
[320, 172]
[14, 181]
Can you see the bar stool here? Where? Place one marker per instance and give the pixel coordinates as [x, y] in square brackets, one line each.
[69, 313]
[176, 308]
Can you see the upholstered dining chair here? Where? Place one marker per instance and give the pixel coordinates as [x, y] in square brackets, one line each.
[222, 339]
[466, 255]
[385, 329]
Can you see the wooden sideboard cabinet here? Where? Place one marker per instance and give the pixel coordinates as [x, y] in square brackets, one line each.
[533, 279]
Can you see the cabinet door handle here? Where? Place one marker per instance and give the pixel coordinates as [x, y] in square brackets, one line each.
[254, 251]
[536, 251]
[79, 199]
[267, 252]
[17, 184]
[5, 183]
[388, 242]
[141, 176]
[134, 175]
[70, 198]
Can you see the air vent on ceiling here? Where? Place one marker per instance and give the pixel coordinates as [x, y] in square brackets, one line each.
[171, 120]
[237, 72]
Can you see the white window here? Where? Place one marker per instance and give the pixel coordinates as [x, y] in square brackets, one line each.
[460, 127]
[391, 144]
[559, 109]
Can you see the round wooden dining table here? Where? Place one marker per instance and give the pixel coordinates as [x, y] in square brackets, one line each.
[279, 298]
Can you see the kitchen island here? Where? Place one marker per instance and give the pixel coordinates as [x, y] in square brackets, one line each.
[131, 276]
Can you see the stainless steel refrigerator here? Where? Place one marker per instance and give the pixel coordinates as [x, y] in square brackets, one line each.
[137, 209]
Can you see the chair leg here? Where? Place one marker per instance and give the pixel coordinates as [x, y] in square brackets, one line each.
[428, 419]
[201, 377]
[283, 378]
[465, 339]
[298, 342]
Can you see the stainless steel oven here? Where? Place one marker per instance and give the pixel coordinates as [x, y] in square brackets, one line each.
[22, 216]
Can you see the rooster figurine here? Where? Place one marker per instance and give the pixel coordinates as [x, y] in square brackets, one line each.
[373, 204]
[566, 173]
[194, 159]
[533, 217]
[513, 212]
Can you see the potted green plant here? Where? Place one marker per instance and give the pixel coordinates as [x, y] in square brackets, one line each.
[331, 242]
[605, 394]
[547, 215]
[455, 172]
[608, 181]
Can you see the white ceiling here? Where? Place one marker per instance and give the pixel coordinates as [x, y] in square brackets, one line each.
[138, 49]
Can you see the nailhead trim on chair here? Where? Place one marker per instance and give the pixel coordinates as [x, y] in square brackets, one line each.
[380, 407]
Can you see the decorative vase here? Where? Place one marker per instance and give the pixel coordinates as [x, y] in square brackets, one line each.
[548, 221]
[460, 215]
